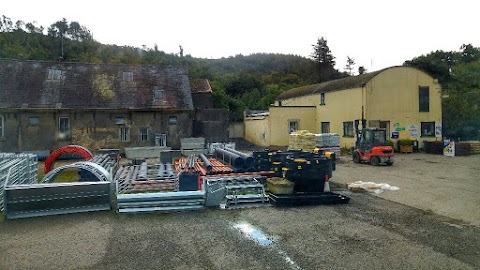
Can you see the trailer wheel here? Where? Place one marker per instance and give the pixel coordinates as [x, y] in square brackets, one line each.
[356, 157]
[374, 161]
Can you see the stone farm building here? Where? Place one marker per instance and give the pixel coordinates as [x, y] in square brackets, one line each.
[404, 100]
[46, 105]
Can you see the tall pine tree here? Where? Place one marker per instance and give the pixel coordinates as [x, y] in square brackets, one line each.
[324, 60]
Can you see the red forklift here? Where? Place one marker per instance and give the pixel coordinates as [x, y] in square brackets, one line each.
[371, 145]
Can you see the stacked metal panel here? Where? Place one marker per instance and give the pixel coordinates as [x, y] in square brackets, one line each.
[239, 191]
[17, 169]
[153, 188]
[28, 199]
[146, 178]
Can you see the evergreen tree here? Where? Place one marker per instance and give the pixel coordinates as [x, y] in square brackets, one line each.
[324, 60]
[349, 65]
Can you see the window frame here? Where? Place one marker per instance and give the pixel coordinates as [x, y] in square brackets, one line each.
[290, 122]
[64, 132]
[143, 134]
[348, 128]
[124, 134]
[33, 121]
[171, 120]
[432, 130]
[322, 127]
[322, 99]
[158, 94]
[423, 99]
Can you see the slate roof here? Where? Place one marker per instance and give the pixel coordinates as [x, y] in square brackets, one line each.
[200, 86]
[335, 85]
[38, 84]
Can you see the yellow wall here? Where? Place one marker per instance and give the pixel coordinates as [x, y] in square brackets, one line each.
[340, 106]
[279, 122]
[257, 130]
[393, 96]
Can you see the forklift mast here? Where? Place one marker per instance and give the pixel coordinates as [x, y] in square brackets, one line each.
[358, 131]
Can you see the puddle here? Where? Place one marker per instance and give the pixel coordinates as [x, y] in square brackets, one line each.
[262, 239]
[253, 233]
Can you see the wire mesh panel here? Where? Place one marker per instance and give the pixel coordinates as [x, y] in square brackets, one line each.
[17, 169]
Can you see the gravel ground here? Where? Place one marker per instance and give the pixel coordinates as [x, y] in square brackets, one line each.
[447, 186]
[371, 232]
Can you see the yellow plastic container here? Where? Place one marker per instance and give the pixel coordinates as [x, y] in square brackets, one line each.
[277, 185]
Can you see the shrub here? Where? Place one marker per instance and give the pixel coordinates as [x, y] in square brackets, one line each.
[405, 142]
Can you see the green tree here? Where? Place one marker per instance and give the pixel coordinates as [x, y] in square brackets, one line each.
[324, 60]
[349, 66]
[361, 70]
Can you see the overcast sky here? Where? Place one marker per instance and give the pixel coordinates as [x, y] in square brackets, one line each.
[377, 34]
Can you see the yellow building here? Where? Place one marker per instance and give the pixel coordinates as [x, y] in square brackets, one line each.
[404, 100]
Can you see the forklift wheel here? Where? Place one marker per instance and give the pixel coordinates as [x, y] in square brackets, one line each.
[389, 163]
[356, 157]
[374, 161]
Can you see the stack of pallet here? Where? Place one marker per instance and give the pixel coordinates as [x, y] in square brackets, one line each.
[329, 142]
[474, 147]
[302, 140]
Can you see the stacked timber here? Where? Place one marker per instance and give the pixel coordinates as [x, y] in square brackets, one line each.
[433, 147]
[462, 149]
[474, 147]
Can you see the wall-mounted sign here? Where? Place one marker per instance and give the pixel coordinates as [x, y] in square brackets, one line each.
[438, 130]
[394, 135]
[413, 131]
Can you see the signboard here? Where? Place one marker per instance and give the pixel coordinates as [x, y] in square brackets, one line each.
[394, 135]
[438, 130]
[413, 131]
[398, 127]
[449, 148]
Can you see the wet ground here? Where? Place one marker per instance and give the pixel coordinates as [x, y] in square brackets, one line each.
[370, 232]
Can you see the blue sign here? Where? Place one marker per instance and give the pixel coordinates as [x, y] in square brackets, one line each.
[394, 135]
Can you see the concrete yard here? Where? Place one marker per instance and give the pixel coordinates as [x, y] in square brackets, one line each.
[430, 223]
[448, 186]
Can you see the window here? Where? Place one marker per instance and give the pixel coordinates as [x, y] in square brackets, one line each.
[64, 128]
[1, 126]
[120, 120]
[325, 127]
[292, 126]
[428, 129]
[55, 74]
[127, 76]
[161, 139]
[124, 133]
[322, 99]
[172, 120]
[143, 134]
[386, 126]
[424, 99]
[158, 94]
[347, 129]
[33, 121]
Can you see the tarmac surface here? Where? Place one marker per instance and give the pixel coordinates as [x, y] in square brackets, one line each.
[392, 230]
